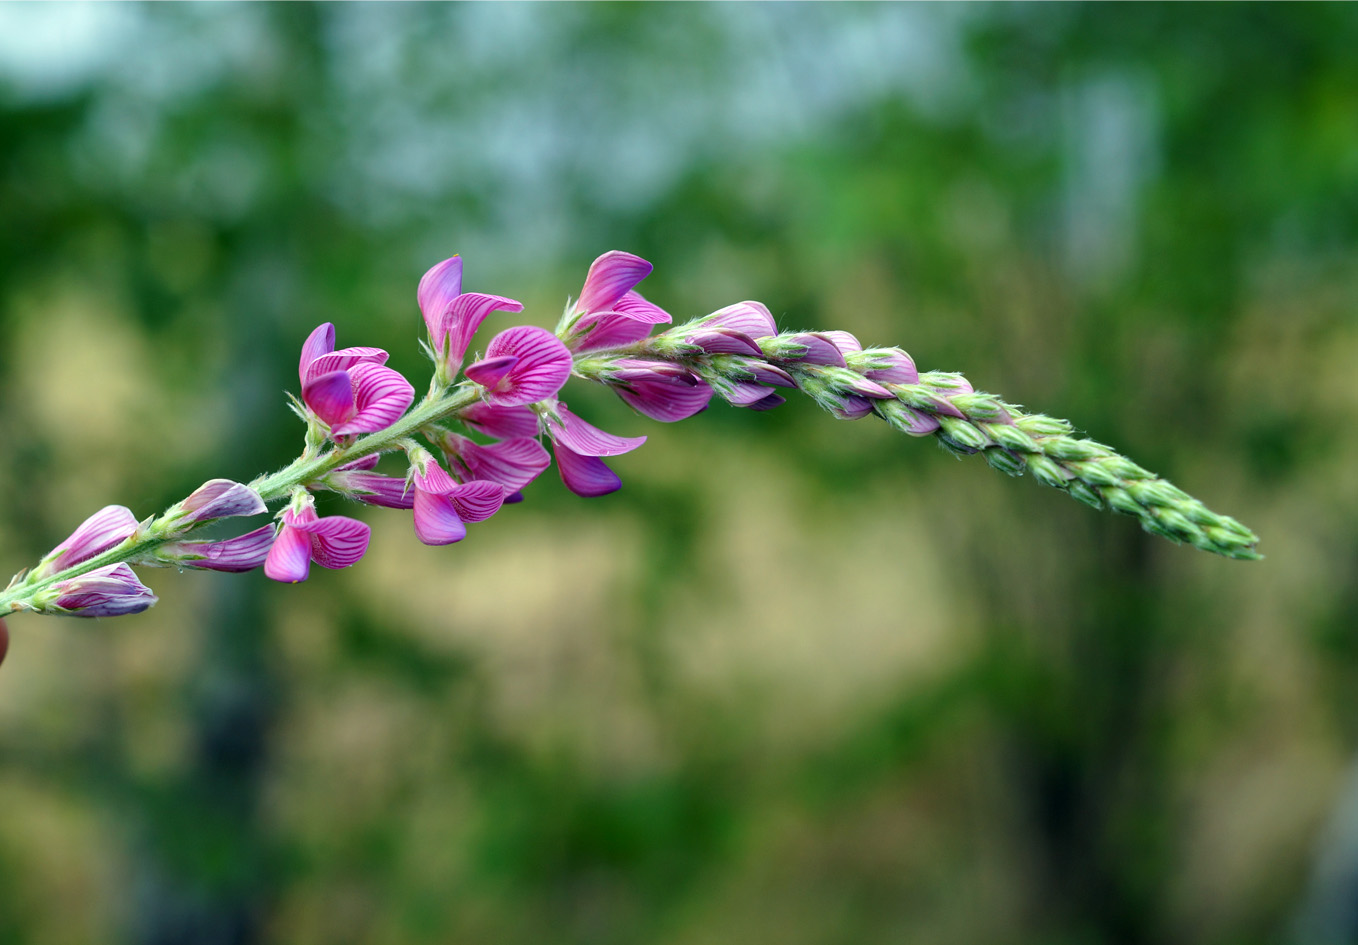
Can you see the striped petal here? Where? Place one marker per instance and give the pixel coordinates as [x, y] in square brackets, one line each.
[661, 391]
[607, 330]
[765, 373]
[842, 340]
[503, 423]
[543, 365]
[513, 463]
[819, 349]
[372, 488]
[888, 366]
[111, 591]
[438, 288]
[338, 541]
[429, 476]
[586, 476]
[725, 341]
[436, 521]
[586, 439]
[221, 498]
[289, 560]
[477, 501]
[319, 342]
[381, 396]
[751, 318]
[491, 371]
[343, 359]
[243, 553]
[610, 277]
[768, 403]
[743, 394]
[635, 306]
[331, 397]
[101, 531]
[465, 316]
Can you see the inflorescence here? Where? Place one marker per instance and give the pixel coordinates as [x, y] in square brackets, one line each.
[356, 409]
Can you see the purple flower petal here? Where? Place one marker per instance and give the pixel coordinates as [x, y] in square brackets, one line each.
[743, 394]
[892, 366]
[513, 463]
[543, 365]
[221, 498]
[920, 424]
[819, 350]
[765, 373]
[289, 560]
[768, 403]
[852, 407]
[372, 488]
[611, 276]
[661, 391]
[338, 541]
[331, 397]
[101, 531]
[438, 288]
[635, 306]
[607, 330]
[319, 342]
[381, 397]
[342, 360]
[477, 501]
[436, 521]
[866, 388]
[724, 341]
[842, 340]
[751, 318]
[586, 476]
[491, 371]
[464, 317]
[585, 439]
[110, 591]
[429, 476]
[503, 423]
[244, 553]
[364, 462]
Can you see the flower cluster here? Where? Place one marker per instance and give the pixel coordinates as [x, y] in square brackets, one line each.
[476, 440]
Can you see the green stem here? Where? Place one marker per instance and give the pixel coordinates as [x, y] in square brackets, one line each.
[271, 488]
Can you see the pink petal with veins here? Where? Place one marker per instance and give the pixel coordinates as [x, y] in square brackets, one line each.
[611, 276]
[381, 396]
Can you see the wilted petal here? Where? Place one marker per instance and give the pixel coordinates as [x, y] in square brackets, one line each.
[289, 560]
[319, 342]
[101, 531]
[244, 553]
[111, 591]
[503, 423]
[221, 498]
[751, 318]
[842, 340]
[338, 541]
[513, 463]
[586, 476]
[491, 371]
[436, 521]
[381, 396]
[331, 397]
[611, 276]
[342, 360]
[724, 341]
[477, 501]
[465, 316]
[438, 288]
[585, 439]
[543, 364]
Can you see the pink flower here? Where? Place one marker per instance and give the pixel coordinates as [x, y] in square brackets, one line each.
[610, 313]
[110, 591]
[578, 446]
[522, 366]
[732, 330]
[110, 526]
[243, 553]
[332, 542]
[218, 498]
[513, 463]
[453, 316]
[660, 390]
[443, 506]
[503, 423]
[350, 389]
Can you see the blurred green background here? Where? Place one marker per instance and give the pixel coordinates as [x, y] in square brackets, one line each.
[801, 681]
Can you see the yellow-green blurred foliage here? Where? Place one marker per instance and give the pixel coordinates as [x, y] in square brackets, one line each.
[801, 681]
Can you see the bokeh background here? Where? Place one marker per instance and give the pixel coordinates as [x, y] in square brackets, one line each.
[801, 681]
